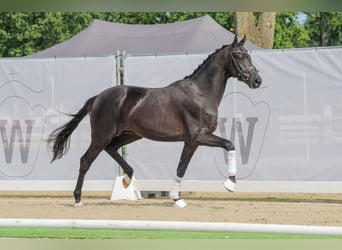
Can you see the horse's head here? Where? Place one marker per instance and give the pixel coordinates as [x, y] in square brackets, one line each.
[241, 66]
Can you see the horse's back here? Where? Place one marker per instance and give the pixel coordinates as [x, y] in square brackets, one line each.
[154, 113]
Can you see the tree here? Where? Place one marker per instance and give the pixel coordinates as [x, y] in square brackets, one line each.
[18, 44]
[258, 27]
[288, 31]
[324, 28]
[24, 33]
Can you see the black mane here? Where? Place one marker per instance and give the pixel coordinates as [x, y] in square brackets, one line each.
[205, 60]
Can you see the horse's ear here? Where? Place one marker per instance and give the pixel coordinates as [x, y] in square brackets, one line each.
[235, 42]
[243, 40]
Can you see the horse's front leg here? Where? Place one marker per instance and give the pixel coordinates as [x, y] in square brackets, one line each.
[215, 141]
[187, 153]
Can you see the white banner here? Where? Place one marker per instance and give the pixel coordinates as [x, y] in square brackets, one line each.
[34, 95]
[290, 129]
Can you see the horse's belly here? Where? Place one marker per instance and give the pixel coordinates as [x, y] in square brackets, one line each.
[158, 126]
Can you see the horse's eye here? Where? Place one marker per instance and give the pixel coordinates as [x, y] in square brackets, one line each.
[239, 55]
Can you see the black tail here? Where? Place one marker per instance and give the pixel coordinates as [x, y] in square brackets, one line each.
[59, 139]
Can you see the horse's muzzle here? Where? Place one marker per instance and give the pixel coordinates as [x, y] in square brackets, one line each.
[256, 84]
[255, 81]
[250, 76]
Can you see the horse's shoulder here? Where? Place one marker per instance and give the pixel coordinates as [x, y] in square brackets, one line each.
[187, 86]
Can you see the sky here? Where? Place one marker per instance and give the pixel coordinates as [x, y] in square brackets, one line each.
[301, 17]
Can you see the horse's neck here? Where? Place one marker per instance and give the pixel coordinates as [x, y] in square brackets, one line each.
[212, 79]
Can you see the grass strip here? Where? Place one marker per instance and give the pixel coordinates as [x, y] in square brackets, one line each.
[68, 233]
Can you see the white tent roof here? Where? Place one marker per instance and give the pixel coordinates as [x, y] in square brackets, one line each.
[103, 38]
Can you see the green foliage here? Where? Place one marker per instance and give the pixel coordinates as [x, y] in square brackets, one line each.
[319, 29]
[288, 32]
[324, 28]
[24, 33]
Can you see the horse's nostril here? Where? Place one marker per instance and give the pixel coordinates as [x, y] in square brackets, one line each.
[258, 82]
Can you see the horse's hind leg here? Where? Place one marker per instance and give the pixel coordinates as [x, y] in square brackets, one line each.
[85, 163]
[112, 148]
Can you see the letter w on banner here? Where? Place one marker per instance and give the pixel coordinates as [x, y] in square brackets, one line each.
[244, 122]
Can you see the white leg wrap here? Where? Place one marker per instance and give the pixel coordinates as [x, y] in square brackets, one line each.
[180, 203]
[232, 163]
[175, 187]
[230, 183]
[80, 204]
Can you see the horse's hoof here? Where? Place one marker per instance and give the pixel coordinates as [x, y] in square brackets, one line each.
[126, 181]
[78, 204]
[179, 203]
[174, 195]
[230, 184]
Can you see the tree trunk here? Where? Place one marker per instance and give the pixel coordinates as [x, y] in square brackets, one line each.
[323, 27]
[260, 33]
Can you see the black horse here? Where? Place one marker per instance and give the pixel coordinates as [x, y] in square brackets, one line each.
[185, 110]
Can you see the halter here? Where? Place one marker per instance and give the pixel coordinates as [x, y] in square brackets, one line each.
[238, 67]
